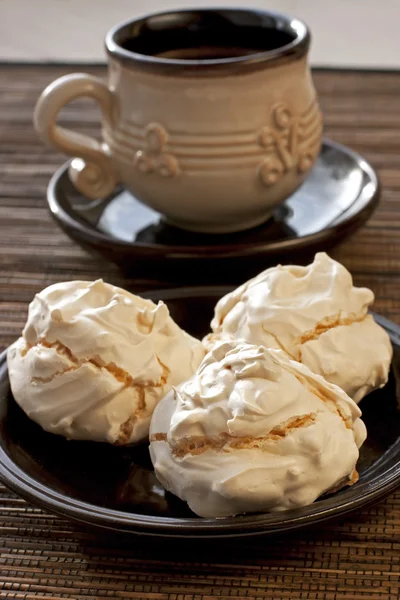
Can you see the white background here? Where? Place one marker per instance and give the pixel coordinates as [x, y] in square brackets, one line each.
[351, 33]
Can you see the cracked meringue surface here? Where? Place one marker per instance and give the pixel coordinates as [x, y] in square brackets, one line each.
[253, 431]
[317, 316]
[94, 360]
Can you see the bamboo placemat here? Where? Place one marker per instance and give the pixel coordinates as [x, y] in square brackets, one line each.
[45, 556]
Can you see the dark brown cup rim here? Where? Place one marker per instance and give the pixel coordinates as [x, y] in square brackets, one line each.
[295, 49]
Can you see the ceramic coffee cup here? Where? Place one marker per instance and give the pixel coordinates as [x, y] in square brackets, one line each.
[209, 116]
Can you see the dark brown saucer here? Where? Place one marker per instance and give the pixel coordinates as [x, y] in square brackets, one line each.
[115, 488]
[339, 195]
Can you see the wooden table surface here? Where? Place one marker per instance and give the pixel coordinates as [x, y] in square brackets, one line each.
[45, 556]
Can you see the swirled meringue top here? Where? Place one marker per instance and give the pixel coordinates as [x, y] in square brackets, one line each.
[94, 360]
[252, 431]
[317, 316]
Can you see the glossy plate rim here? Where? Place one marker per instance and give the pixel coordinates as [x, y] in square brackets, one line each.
[90, 235]
[324, 510]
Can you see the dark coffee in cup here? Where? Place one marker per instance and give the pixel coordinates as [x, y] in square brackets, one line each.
[207, 35]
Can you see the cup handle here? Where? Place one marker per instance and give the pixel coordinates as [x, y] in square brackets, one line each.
[92, 172]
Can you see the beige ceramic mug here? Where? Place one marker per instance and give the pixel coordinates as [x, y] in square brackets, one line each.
[209, 116]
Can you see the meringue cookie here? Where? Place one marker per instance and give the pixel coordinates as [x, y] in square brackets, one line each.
[316, 316]
[94, 360]
[254, 431]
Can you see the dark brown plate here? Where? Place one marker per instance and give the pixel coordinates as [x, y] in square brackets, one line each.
[338, 196]
[115, 488]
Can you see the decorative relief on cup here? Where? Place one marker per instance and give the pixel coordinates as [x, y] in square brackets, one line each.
[153, 158]
[290, 142]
